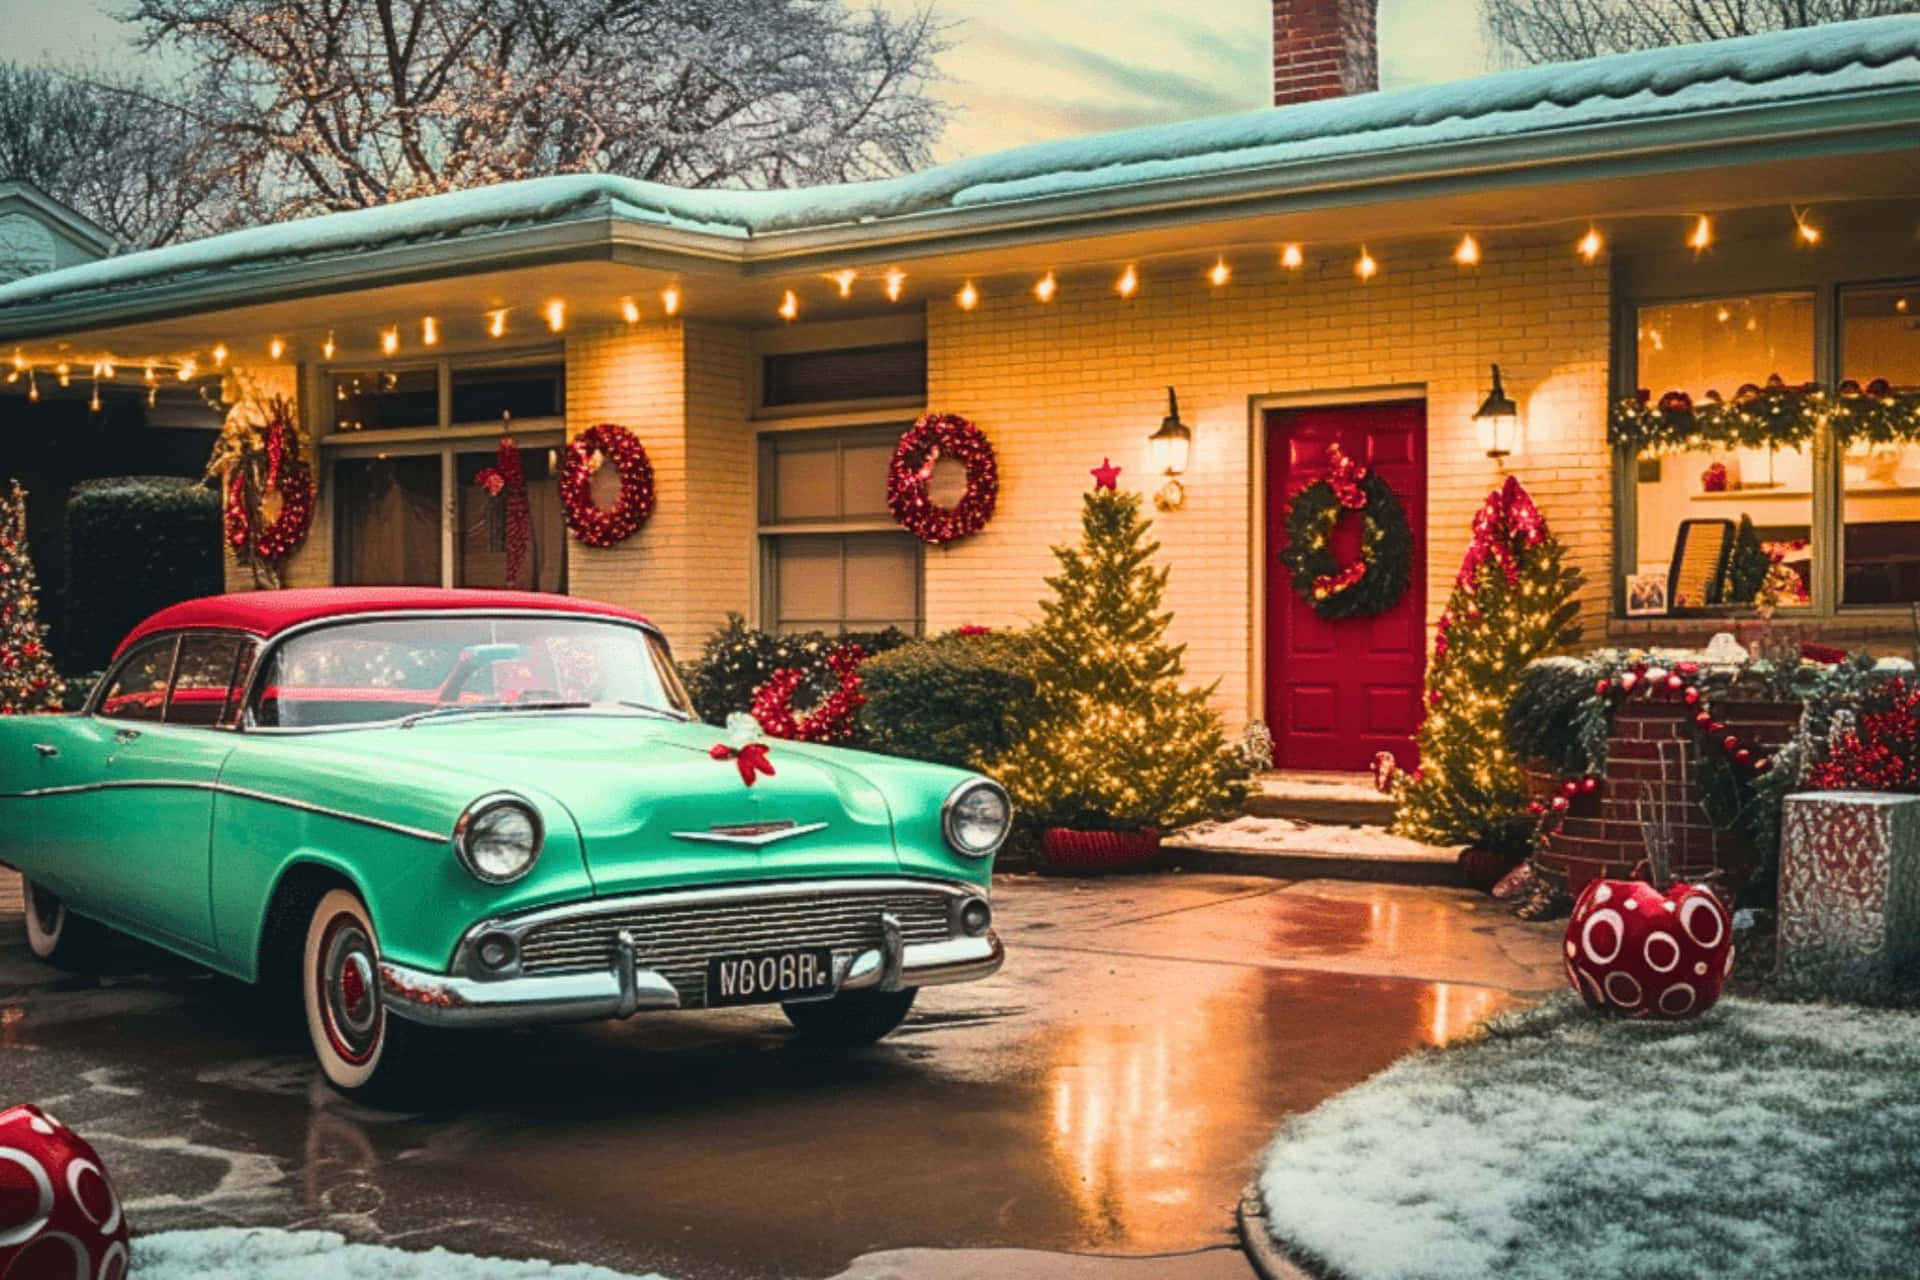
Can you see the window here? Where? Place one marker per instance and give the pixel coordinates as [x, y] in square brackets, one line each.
[834, 560]
[1880, 483]
[386, 399]
[1713, 347]
[139, 687]
[383, 399]
[894, 371]
[206, 680]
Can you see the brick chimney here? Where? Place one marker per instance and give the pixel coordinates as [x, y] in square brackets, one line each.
[1324, 49]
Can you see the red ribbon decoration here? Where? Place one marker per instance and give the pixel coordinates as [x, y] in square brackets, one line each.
[750, 759]
[1345, 478]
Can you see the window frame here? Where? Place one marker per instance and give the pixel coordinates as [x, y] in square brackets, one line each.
[247, 649]
[97, 698]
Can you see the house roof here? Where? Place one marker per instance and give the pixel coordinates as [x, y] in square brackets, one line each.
[1826, 83]
[79, 228]
[267, 613]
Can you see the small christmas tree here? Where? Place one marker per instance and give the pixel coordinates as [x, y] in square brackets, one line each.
[28, 681]
[1747, 565]
[1118, 742]
[1512, 602]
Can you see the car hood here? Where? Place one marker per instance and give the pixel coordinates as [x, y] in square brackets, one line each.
[654, 807]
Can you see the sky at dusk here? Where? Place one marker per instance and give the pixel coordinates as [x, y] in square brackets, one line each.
[1021, 70]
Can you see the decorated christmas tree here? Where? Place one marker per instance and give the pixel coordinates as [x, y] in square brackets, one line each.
[1512, 602]
[27, 679]
[1747, 564]
[1119, 741]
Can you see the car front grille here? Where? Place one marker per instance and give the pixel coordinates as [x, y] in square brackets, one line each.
[676, 939]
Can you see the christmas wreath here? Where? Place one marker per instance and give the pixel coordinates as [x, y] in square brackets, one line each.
[933, 437]
[268, 509]
[1377, 580]
[586, 453]
[832, 720]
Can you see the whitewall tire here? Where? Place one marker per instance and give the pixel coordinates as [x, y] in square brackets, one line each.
[347, 1024]
[56, 935]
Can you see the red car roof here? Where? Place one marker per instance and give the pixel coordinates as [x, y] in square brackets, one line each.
[267, 613]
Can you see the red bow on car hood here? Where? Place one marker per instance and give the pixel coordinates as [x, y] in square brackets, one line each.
[751, 759]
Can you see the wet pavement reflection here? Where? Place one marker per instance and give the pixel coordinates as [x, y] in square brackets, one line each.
[1108, 1092]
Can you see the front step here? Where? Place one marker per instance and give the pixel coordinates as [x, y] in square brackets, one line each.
[1286, 849]
[1337, 798]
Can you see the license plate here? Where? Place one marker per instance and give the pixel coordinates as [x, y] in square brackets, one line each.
[804, 973]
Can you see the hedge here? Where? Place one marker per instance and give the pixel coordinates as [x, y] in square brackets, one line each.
[135, 544]
[954, 699]
[737, 659]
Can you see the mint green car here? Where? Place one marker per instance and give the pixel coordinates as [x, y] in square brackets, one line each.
[447, 809]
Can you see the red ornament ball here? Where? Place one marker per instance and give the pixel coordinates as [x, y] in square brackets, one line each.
[1691, 697]
[1589, 784]
[1601, 687]
[1634, 950]
[1559, 804]
[1627, 681]
[1730, 743]
[1675, 683]
[1571, 786]
[59, 1215]
[1743, 756]
[1535, 808]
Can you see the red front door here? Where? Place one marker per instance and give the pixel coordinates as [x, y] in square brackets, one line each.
[1337, 692]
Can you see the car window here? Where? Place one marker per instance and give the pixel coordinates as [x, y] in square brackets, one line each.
[139, 685]
[203, 679]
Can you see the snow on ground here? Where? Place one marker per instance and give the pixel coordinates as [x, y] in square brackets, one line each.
[228, 1253]
[1285, 835]
[1759, 1140]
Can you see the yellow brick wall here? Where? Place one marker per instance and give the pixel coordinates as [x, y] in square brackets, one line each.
[1058, 386]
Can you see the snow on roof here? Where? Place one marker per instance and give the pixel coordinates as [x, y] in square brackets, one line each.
[1812, 63]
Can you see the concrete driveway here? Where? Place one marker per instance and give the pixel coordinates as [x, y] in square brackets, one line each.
[1106, 1094]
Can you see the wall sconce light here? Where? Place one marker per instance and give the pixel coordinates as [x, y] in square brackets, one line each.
[1168, 449]
[1498, 418]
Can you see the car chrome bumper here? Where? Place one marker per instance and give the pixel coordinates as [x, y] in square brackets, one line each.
[626, 988]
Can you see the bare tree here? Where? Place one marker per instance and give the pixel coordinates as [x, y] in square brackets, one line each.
[1531, 31]
[109, 148]
[336, 104]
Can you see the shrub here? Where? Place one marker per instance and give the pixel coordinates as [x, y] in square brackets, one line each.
[955, 699]
[737, 659]
[1545, 714]
[135, 544]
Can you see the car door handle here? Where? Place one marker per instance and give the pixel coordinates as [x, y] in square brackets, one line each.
[125, 735]
[46, 749]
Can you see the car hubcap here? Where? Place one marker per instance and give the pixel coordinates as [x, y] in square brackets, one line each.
[350, 998]
[45, 908]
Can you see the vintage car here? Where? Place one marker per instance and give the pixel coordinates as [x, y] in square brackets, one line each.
[444, 809]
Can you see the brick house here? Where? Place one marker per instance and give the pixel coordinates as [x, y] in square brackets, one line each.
[1345, 266]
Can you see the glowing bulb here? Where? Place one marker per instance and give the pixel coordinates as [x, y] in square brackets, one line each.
[968, 297]
[556, 315]
[1292, 257]
[1129, 282]
[33, 387]
[1723, 315]
[1046, 287]
[277, 348]
[1591, 244]
[895, 278]
[1219, 273]
[1901, 305]
[93, 404]
[147, 373]
[844, 279]
[65, 372]
[497, 323]
[789, 306]
[1702, 238]
[1366, 268]
[389, 341]
[1468, 252]
[327, 348]
[153, 396]
[429, 331]
[219, 354]
[1808, 233]
[670, 299]
[19, 361]
[630, 311]
[187, 369]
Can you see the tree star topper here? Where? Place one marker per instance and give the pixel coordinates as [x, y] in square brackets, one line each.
[1106, 475]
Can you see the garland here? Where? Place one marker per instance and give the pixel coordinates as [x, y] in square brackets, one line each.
[936, 436]
[508, 475]
[1777, 416]
[832, 720]
[585, 454]
[258, 463]
[1377, 580]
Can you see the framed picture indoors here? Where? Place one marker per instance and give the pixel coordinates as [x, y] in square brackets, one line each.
[1646, 595]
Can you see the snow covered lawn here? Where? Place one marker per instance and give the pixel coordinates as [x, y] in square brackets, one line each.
[1759, 1140]
[229, 1253]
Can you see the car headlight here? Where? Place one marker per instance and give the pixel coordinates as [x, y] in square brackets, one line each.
[977, 817]
[498, 838]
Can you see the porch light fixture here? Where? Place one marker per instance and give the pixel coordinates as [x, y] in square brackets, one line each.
[1168, 449]
[1498, 417]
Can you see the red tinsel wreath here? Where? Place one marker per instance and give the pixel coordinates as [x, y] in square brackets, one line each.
[832, 720]
[585, 453]
[288, 475]
[937, 436]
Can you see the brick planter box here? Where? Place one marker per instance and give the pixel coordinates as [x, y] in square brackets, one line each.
[1601, 833]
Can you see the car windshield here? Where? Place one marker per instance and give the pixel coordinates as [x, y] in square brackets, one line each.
[376, 670]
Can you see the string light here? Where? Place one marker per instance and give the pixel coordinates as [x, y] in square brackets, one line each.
[1808, 233]
[556, 315]
[1365, 267]
[670, 299]
[968, 297]
[327, 348]
[1129, 282]
[1591, 244]
[64, 372]
[1219, 273]
[93, 402]
[19, 361]
[1046, 287]
[895, 279]
[497, 323]
[219, 354]
[1702, 237]
[429, 331]
[153, 395]
[389, 341]
[789, 306]
[630, 311]
[33, 387]
[844, 278]
[1468, 252]
[1292, 257]
[277, 348]
[187, 369]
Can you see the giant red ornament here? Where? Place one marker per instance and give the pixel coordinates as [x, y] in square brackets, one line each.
[1635, 950]
[59, 1215]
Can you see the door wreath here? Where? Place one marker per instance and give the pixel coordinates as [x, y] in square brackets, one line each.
[585, 454]
[1377, 580]
[268, 508]
[933, 437]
